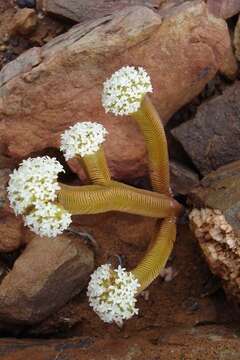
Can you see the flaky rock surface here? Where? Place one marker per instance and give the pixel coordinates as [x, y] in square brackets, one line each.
[211, 138]
[217, 224]
[48, 89]
[46, 275]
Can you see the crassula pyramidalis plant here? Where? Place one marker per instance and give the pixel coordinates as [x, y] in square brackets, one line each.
[47, 205]
[125, 93]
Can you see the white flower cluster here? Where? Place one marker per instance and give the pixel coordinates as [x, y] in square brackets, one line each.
[124, 91]
[32, 189]
[83, 138]
[34, 181]
[48, 219]
[112, 294]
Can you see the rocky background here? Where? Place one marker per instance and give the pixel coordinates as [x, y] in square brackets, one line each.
[54, 57]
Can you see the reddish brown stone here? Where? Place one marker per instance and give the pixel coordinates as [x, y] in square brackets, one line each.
[203, 342]
[11, 234]
[4, 177]
[24, 22]
[237, 39]
[224, 8]
[46, 275]
[90, 9]
[211, 138]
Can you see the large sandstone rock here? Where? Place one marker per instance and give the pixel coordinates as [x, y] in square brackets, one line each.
[4, 177]
[46, 275]
[224, 8]
[89, 9]
[211, 139]
[11, 233]
[48, 89]
[217, 224]
[237, 39]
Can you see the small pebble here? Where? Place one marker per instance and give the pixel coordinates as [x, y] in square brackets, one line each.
[2, 48]
[26, 3]
[191, 305]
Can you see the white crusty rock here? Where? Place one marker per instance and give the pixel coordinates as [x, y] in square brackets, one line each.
[220, 244]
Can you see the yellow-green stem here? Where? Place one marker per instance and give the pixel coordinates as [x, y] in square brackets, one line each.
[94, 199]
[157, 255]
[96, 167]
[153, 131]
[159, 251]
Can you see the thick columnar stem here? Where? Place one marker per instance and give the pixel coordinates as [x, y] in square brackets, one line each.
[96, 167]
[157, 255]
[94, 199]
[153, 131]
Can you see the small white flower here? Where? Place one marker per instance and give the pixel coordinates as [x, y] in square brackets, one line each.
[35, 180]
[48, 219]
[124, 91]
[112, 294]
[83, 138]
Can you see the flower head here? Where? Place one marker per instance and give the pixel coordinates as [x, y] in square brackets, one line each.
[34, 181]
[48, 219]
[124, 91]
[83, 138]
[112, 294]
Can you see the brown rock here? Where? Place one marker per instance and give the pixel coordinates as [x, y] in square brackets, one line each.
[4, 177]
[11, 237]
[183, 179]
[24, 22]
[211, 139]
[46, 275]
[203, 342]
[221, 190]
[89, 9]
[237, 39]
[224, 8]
[48, 89]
